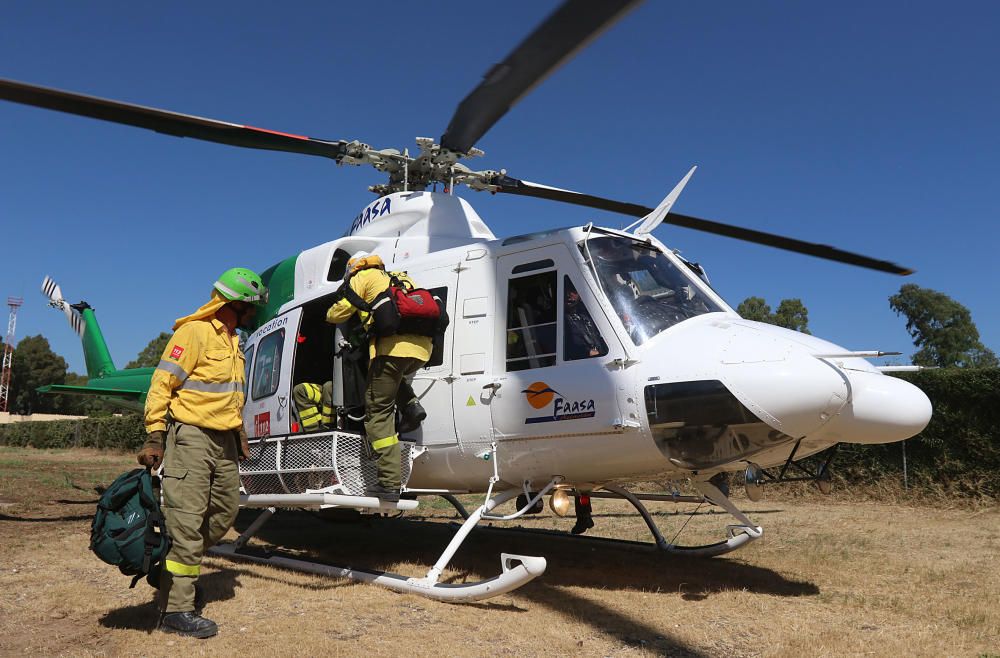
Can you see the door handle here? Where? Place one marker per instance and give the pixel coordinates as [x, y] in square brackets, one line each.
[494, 386]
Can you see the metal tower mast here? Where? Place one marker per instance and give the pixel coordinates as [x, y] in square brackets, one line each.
[8, 351]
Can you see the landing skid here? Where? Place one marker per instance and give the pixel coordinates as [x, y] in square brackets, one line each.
[738, 535]
[517, 570]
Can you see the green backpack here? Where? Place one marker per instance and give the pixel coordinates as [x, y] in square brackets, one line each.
[129, 529]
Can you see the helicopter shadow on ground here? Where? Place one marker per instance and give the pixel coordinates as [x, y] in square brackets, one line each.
[46, 519]
[379, 543]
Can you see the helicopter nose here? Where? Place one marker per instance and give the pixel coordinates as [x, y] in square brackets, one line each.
[782, 384]
[883, 409]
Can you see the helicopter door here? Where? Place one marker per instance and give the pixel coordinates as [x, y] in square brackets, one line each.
[266, 412]
[432, 383]
[551, 364]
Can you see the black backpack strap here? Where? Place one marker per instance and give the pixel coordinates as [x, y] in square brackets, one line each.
[355, 299]
[156, 528]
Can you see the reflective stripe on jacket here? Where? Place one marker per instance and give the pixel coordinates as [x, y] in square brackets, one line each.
[369, 284]
[199, 379]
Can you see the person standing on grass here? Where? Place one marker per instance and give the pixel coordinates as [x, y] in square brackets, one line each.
[194, 422]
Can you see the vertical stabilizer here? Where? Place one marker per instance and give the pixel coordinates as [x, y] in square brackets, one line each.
[83, 321]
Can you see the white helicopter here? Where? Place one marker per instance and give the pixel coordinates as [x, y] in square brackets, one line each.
[672, 383]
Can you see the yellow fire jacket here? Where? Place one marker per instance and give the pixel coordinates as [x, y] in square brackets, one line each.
[199, 380]
[369, 283]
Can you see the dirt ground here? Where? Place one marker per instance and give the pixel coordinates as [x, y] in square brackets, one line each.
[829, 577]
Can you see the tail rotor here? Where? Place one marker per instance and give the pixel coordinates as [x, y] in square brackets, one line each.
[51, 290]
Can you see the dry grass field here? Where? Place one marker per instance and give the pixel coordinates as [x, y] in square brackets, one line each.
[831, 577]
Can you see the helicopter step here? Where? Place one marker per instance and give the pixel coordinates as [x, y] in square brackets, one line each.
[516, 570]
[334, 462]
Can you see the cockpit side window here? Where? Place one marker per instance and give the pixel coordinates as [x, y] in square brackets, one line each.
[531, 321]
[581, 338]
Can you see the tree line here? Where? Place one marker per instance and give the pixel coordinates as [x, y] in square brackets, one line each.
[36, 364]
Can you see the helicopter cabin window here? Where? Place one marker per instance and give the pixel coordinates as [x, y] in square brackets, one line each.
[338, 265]
[437, 355]
[647, 291]
[247, 361]
[267, 369]
[531, 321]
[581, 338]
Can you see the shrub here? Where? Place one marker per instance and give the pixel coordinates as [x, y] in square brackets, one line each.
[124, 433]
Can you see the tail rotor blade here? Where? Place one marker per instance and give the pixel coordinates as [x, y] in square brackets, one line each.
[51, 290]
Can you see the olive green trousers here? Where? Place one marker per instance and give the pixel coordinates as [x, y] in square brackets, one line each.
[201, 496]
[387, 387]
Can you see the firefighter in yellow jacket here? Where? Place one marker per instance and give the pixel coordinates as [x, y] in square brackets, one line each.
[194, 423]
[392, 360]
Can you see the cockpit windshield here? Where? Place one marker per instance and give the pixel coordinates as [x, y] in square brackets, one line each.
[648, 292]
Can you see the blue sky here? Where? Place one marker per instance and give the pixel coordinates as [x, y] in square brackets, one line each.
[869, 126]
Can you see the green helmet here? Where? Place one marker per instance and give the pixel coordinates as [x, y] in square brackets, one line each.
[242, 285]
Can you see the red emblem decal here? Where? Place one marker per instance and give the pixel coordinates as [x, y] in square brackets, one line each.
[262, 424]
[176, 352]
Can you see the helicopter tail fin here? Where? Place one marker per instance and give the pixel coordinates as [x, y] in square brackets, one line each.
[83, 321]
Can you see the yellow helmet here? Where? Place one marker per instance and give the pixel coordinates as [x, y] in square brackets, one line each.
[363, 261]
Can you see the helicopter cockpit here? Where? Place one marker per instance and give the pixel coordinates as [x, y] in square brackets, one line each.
[647, 290]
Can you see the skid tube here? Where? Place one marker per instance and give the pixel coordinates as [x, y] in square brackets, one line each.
[517, 570]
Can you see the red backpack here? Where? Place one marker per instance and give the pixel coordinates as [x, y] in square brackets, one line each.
[403, 309]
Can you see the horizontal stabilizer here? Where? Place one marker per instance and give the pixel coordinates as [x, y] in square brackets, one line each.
[122, 393]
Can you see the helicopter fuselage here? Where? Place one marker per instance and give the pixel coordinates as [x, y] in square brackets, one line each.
[670, 382]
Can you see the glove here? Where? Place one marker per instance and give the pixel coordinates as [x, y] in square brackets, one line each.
[151, 455]
[244, 444]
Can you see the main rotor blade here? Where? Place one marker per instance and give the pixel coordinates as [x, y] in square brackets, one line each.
[553, 42]
[163, 121]
[526, 188]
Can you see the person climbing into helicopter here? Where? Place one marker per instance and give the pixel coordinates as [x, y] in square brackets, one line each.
[193, 418]
[393, 359]
[314, 404]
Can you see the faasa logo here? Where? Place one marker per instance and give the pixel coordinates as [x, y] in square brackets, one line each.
[373, 211]
[262, 424]
[176, 352]
[540, 395]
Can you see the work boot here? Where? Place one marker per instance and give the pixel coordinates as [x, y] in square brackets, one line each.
[411, 416]
[188, 624]
[583, 524]
[389, 495]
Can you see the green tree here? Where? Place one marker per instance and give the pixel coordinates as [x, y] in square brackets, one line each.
[35, 364]
[942, 328]
[150, 355]
[756, 309]
[792, 314]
